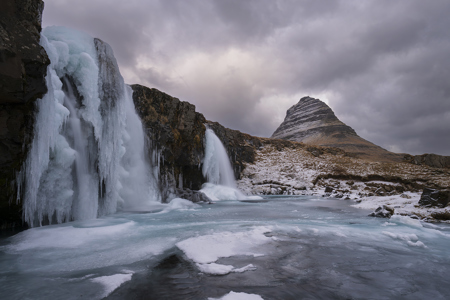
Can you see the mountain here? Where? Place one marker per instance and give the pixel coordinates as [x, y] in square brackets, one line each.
[311, 121]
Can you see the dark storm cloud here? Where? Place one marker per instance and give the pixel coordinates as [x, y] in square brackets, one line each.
[383, 66]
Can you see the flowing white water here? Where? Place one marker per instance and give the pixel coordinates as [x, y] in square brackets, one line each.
[217, 170]
[216, 164]
[87, 158]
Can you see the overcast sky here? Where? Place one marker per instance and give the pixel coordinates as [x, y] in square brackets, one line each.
[383, 66]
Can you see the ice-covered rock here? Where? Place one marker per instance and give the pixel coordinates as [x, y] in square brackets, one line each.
[383, 212]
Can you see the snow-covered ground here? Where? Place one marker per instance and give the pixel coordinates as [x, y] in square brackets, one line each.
[295, 171]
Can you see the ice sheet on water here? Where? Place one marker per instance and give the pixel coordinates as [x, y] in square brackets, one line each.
[66, 236]
[238, 296]
[209, 248]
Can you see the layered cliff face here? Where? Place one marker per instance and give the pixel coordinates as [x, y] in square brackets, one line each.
[23, 67]
[176, 133]
[311, 121]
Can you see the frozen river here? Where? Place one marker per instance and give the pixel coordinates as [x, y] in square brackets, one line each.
[277, 248]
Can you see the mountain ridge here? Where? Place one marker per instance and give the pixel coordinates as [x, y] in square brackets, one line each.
[311, 121]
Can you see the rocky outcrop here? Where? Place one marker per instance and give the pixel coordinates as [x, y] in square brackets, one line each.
[382, 212]
[176, 132]
[435, 198]
[311, 121]
[23, 67]
[432, 160]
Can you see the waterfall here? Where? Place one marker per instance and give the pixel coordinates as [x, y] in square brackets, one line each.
[217, 170]
[216, 164]
[88, 155]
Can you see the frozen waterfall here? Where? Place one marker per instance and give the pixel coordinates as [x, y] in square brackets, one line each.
[87, 158]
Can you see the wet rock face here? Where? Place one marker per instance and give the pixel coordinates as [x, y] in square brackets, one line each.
[23, 67]
[23, 62]
[177, 131]
[435, 198]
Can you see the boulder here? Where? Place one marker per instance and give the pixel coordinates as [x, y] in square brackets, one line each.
[194, 196]
[434, 198]
[383, 212]
[328, 190]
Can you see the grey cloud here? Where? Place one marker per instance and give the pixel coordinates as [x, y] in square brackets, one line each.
[384, 64]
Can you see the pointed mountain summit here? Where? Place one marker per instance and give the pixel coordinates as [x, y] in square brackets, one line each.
[311, 121]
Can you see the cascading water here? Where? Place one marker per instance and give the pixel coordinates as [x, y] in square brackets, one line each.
[217, 170]
[87, 158]
[216, 164]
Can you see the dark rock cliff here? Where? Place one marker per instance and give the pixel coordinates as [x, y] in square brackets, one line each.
[313, 122]
[176, 131]
[23, 67]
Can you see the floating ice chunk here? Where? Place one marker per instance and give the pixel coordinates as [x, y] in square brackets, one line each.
[178, 204]
[215, 269]
[209, 248]
[110, 283]
[249, 267]
[238, 296]
[218, 192]
[218, 269]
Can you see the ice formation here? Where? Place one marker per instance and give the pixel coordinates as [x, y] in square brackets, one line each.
[87, 156]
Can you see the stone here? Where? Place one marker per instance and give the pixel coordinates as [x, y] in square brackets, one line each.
[194, 196]
[434, 198]
[328, 189]
[383, 212]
